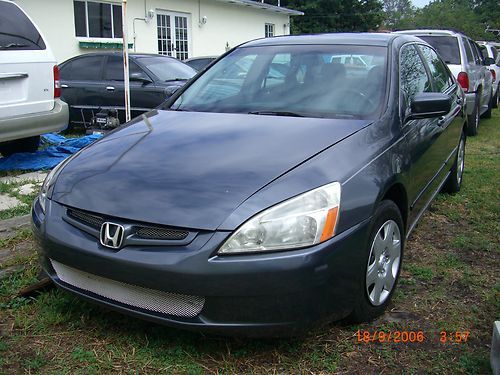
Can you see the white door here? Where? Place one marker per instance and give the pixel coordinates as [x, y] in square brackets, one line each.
[173, 34]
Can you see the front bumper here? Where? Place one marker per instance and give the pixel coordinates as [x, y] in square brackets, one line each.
[256, 295]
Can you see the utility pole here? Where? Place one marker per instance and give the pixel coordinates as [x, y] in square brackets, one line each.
[126, 78]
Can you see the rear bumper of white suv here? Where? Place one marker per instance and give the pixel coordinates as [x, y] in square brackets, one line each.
[33, 124]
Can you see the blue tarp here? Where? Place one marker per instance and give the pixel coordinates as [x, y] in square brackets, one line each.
[59, 149]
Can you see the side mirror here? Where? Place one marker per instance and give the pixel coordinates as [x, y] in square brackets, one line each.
[139, 77]
[489, 61]
[171, 90]
[429, 104]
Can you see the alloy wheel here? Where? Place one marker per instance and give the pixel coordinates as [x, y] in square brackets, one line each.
[460, 160]
[383, 263]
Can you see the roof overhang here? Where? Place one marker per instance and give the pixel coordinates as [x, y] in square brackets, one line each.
[264, 6]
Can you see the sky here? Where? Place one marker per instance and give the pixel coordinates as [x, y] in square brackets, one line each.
[420, 3]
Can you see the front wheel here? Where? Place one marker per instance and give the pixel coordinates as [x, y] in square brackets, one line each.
[383, 263]
[454, 181]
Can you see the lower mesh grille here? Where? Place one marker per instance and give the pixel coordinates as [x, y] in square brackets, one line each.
[144, 298]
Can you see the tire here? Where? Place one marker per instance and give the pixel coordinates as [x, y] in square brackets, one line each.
[473, 119]
[495, 99]
[20, 145]
[381, 270]
[487, 114]
[454, 181]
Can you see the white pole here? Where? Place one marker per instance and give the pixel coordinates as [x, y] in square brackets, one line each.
[125, 61]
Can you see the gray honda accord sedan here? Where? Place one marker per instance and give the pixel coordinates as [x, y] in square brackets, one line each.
[273, 192]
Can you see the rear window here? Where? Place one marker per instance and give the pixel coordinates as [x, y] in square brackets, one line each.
[446, 46]
[16, 30]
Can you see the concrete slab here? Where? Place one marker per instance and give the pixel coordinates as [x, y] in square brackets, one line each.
[7, 202]
[31, 176]
[27, 189]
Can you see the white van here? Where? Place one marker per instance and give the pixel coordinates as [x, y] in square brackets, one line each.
[29, 83]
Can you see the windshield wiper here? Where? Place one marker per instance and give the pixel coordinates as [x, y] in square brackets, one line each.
[276, 113]
[13, 45]
[176, 79]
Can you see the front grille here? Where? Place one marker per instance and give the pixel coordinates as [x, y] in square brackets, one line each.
[148, 299]
[155, 233]
[86, 218]
[141, 231]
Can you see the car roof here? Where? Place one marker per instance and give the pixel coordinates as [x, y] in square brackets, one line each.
[370, 39]
[200, 58]
[437, 32]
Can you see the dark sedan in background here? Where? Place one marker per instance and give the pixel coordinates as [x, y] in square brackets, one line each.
[94, 81]
[199, 63]
[263, 202]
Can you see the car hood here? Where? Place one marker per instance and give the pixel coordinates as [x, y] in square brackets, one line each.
[190, 169]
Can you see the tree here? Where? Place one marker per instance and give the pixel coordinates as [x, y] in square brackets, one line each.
[462, 15]
[397, 13]
[335, 15]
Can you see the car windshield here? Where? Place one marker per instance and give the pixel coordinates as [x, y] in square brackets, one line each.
[446, 46]
[333, 81]
[167, 69]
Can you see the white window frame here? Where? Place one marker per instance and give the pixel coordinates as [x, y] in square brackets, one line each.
[172, 15]
[269, 30]
[96, 38]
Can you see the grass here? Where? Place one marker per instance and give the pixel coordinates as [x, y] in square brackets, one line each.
[449, 283]
[12, 189]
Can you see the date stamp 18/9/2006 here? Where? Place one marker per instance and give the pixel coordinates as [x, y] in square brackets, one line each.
[444, 337]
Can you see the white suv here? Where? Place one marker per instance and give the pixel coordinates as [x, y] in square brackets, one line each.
[465, 60]
[489, 51]
[29, 83]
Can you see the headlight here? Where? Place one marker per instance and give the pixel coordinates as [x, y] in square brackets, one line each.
[48, 183]
[305, 220]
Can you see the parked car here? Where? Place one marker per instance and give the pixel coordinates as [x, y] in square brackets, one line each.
[489, 51]
[198, 63]
[94, 81]
[259, 209]
[29, 83]
[465, 60]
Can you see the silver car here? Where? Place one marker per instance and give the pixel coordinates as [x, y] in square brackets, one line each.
[465, 60]
[489, 51]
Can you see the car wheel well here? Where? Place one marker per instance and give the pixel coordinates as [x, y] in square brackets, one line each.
[397, 194]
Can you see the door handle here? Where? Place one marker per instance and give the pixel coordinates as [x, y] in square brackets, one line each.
[441, 120]
[63, 86]
[110, 88]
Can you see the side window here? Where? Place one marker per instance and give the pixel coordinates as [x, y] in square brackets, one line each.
[476, 53]
[413, 77]
[439, 74]
[278, 70]
[468, 52]
[479, 54]
[114, 69]
[83, 69]
[16, 30]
